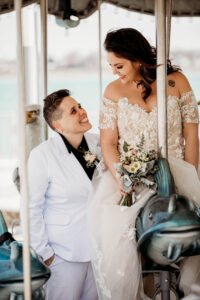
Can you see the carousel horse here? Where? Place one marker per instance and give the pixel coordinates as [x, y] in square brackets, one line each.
[168, 229]
[11, 268]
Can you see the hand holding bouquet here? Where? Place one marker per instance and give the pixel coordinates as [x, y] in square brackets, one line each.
[136, 166]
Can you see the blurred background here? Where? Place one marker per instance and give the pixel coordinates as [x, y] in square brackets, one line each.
[73, 64]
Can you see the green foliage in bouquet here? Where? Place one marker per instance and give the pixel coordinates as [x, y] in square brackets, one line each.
[136, 166]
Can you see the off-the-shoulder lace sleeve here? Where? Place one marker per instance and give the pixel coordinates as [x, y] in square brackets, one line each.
[189, 108]
[108, 114]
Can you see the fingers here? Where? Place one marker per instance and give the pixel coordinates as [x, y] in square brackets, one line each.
[122, 192]
[121, 189]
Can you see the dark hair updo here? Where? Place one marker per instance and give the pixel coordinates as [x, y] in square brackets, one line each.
[130, 44]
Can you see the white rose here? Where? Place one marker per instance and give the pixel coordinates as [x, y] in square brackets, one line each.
[129, 153]
[87, 156]
[92, 158]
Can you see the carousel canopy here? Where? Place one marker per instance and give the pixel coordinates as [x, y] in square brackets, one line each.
[84, 8]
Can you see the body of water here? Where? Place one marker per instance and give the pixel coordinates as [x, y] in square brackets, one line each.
[85, 89]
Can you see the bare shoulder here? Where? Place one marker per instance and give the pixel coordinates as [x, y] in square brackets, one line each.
[112, 91]
[179, 80]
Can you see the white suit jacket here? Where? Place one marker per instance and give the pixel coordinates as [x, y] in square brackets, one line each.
[58, 192]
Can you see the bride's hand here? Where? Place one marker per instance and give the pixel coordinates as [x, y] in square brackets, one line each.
[119, 181]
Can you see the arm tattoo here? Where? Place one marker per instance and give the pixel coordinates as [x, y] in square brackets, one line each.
[171, 83]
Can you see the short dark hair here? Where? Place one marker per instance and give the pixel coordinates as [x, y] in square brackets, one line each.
[51, 102]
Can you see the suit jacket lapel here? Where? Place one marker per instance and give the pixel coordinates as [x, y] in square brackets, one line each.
[93, 143]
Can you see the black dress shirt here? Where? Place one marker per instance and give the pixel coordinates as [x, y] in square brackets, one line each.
[79, 153]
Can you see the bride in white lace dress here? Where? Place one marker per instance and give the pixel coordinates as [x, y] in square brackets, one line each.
[128, 112]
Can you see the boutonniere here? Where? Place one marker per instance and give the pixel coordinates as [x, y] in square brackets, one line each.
[91, 158]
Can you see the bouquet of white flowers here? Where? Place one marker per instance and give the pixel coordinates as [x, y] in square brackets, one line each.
[136, 166]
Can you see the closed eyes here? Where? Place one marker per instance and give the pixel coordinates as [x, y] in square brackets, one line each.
[117, 66]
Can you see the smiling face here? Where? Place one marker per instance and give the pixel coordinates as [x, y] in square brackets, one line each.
[73, 118]
[127, 70]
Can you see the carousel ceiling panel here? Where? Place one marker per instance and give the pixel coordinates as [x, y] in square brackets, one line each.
[8, 5]
[84, 8]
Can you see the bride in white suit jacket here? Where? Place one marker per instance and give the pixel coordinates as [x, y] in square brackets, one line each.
[59, 186]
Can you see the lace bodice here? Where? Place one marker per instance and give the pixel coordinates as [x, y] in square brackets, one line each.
[133, 121]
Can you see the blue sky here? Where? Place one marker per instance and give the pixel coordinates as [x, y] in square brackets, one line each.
[84, 38]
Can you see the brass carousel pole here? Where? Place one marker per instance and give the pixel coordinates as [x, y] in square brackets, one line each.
[160, 13]
[43, 15]
[169, 15]
[100, 54]
[23, 152]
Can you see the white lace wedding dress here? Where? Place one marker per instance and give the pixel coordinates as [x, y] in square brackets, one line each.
[115, 259]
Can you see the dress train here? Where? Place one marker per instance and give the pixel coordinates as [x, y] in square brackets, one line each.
[115, 259]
